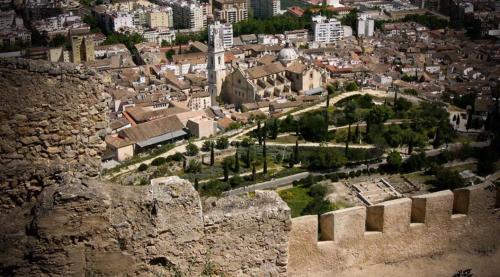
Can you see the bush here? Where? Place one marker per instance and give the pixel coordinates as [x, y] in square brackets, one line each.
[192, 149]
[351, 86]
[222, 143]
[206, 145]
[175, 157]
[236, 181]
[142, 167]
[158, 161]
[318, 191]
[214, 188]
[394, 161]
[194, 166]
[447, 179]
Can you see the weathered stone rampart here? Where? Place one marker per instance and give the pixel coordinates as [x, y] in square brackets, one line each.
[461, 220]
[52, 120]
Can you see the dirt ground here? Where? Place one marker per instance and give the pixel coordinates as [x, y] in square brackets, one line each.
[446, 265]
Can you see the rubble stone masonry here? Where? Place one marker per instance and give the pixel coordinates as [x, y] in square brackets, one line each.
[58, 219]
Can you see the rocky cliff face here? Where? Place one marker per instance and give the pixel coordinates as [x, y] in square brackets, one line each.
[58, 219]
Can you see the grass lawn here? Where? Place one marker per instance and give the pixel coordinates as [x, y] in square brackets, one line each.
[288, 139]
[297, 199]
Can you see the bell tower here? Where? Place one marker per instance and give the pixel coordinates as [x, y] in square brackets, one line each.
[215, 66]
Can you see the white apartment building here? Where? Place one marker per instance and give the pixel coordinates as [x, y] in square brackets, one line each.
[227, 34]
[189, 16]
[326, 30]
[121, 20]
[160, 18]
[158, 35]
[265, 8]
[365, 26]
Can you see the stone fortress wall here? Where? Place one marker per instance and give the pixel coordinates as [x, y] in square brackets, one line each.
[52, 121]
[58, 219]
[465, 219]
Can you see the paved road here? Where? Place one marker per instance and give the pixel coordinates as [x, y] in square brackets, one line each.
[281, 182]
[269, 184]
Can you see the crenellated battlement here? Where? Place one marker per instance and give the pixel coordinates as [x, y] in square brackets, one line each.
[397, 230]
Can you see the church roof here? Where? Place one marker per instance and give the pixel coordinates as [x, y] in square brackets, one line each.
[264, 70]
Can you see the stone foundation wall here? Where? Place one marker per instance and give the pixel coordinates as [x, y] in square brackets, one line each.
[94, 228]
[57, 219]
[462, 220]
[52, 120]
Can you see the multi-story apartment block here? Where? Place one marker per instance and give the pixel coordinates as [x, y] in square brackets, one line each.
[160, 18]
[227, 34]
[189, 16]
[82, 48]
[121, 20]
[265, 8]
[326, 30]
[230, 11]
[365, 26]
[199, 101]
[12, 29]
[61, 25]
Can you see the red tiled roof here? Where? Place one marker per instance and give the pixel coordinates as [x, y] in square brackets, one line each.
[295, 10]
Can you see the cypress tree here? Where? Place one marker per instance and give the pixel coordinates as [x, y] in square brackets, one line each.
[212, 154]
[296, 151]
[259, 135]
[236, 161]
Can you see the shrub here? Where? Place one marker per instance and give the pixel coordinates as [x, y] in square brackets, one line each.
[142, 167]
[206, 145]
[222, 143]
[236, 181]
[175, 157]
[192, 149]
[158, 161]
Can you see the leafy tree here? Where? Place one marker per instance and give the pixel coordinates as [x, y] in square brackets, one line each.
[377, 116]
[222, 143]
[394, 161]
[192, 149]
[447, 179]
[351, 86]
[169, 54]
[350, 19]
[312, 127]
[415, 162]
[142, 167]
[325, 159]
[207, 144]
[194, 166]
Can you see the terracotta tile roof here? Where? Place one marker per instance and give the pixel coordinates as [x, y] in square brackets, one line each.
[296, 11]
[140, 114]
[152, 129]
[264, 70]
[117, 142]
[296, 67]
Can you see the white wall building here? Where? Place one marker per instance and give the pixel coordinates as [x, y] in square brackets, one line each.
[365, 26]
[159, 35]
[189, 16]
[227, 33]
[121, 20]
[265, 8]
[326, 30]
